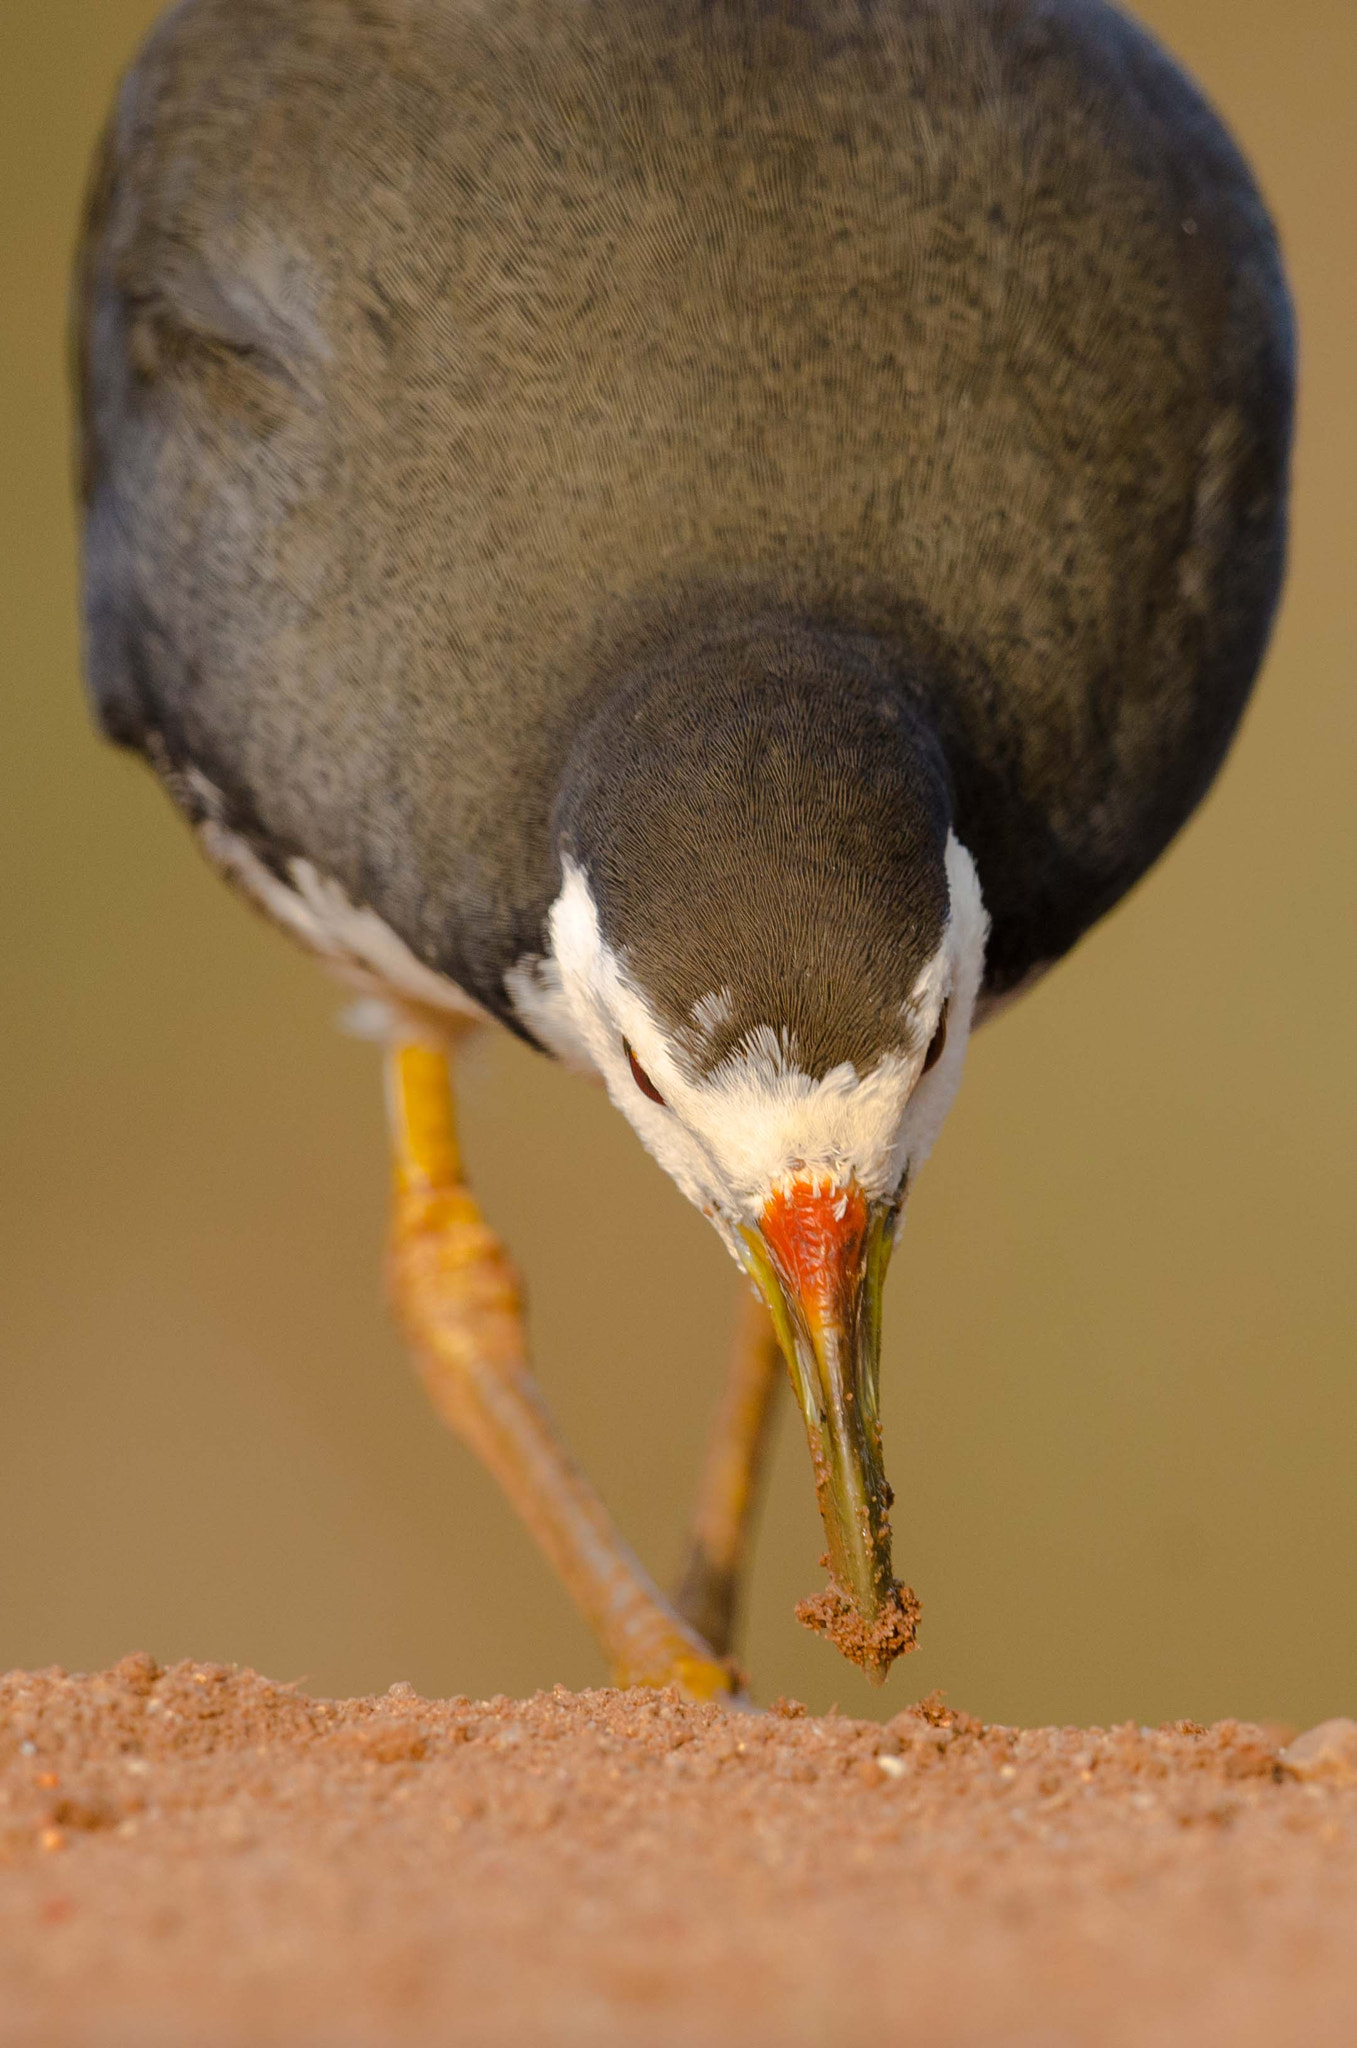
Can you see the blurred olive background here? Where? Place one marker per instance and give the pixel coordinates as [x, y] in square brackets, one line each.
[1121, 1403]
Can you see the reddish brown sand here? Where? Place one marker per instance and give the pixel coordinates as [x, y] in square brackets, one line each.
[198, 1857]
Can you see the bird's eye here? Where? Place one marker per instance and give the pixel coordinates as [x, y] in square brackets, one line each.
[642, 1078]
[937, 1042]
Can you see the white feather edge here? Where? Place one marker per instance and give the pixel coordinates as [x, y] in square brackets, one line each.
[353, 942]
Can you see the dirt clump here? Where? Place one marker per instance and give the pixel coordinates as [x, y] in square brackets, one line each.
[873, 1646]
[196, 1858]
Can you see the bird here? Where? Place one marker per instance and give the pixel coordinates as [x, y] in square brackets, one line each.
[718, 536]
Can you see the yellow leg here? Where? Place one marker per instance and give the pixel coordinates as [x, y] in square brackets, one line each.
[456, 1298]
[710, 1590]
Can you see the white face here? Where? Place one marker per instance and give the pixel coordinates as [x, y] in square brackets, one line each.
[731, 1138]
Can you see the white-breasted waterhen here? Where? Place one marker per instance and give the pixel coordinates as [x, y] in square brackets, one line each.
[722, 534]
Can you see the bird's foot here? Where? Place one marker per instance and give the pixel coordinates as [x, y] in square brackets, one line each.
[457, 1300]
[709, 1594]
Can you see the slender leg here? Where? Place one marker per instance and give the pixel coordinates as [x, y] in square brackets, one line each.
[709, 1594]
[456, 1298]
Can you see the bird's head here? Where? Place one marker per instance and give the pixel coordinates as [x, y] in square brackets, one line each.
[768, 942]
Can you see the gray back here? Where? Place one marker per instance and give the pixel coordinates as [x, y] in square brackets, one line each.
[439, 355]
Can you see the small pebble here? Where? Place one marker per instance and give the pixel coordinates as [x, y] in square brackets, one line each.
[1328, 1751]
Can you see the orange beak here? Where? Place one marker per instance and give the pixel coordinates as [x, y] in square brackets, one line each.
[819, 1258]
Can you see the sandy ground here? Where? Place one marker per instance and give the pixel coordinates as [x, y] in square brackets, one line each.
[198, 1856]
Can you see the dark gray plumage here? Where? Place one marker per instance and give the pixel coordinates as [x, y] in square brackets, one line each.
[451, 367]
